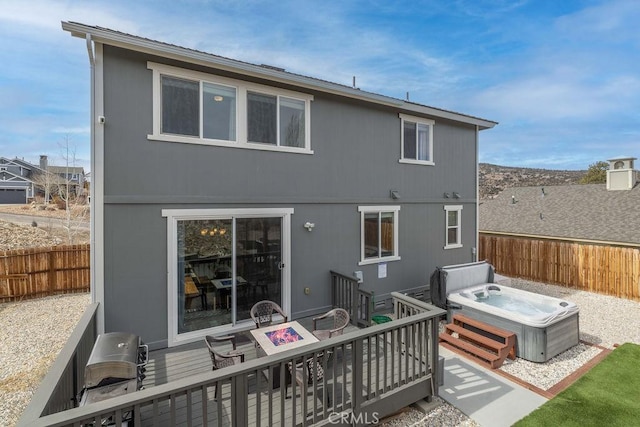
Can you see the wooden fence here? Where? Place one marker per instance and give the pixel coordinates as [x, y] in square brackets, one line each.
[38, 272]
[610, 270]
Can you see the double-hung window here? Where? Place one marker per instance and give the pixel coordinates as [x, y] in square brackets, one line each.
[453, 220]
[199, 108]
[416, 140]
[379, 234]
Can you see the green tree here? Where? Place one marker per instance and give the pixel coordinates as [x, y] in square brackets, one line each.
[596, 174]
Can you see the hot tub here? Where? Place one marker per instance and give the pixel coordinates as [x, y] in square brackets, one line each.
[544, 326]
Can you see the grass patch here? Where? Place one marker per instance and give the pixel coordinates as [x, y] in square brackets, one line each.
[607, 395]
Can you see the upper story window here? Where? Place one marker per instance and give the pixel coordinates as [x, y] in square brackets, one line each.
[200, 108]
[416, 140]
[453, 226]
[379, 234]
[275, 120]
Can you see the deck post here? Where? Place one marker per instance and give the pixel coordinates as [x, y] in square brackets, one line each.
[357, 377]
[239, 404]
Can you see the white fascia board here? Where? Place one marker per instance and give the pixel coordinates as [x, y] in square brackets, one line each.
[178, 53]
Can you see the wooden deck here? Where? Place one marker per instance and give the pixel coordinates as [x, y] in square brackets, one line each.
[331, 395]
[172, 364]
[369, 372]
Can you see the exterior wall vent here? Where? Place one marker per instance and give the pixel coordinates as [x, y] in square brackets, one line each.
[621, 174]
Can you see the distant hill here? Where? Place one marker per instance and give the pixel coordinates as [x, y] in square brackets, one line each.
[493, 178]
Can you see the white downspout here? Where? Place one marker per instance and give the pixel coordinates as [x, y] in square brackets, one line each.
[475, 249]
[97, 267]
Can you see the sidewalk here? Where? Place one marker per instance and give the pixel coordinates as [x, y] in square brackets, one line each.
[489, 399]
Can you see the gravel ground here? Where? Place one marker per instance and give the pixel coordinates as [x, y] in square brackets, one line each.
[18, 236]
[33, 332]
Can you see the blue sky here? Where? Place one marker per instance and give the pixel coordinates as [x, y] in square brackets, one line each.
[561, 77]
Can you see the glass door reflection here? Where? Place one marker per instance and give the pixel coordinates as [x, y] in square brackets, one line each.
[227, 266]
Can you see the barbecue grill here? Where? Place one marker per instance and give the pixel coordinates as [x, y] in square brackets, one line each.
[116, 367]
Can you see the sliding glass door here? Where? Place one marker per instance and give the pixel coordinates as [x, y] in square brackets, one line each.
[222, 265]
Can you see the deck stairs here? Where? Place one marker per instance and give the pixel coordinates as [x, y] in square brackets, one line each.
[484, 343]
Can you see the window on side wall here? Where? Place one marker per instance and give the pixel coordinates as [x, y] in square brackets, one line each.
[379, 234]
[416, 140]
[199, 108]
[453, 237]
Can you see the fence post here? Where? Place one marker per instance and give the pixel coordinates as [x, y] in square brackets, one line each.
[51, 277]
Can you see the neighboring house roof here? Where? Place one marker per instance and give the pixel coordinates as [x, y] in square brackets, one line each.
[575, 212]
[66, 170]
[16, 162]
[274, 74]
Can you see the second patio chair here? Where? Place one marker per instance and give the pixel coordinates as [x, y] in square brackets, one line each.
[309, 372]
[223, 359]
[340, 321]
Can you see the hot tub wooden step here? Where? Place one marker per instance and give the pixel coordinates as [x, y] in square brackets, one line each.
[487, 343]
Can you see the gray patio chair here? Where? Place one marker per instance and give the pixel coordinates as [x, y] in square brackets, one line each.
[306, 372]
[340, 321]
[222, 360]
[262, 313]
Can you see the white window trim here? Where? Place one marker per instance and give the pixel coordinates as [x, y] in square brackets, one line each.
[242, 88]
[396, 219]
[419, 120]
[173, 217]
[458, 244]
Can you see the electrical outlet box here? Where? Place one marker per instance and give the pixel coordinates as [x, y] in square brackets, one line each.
[358, 275]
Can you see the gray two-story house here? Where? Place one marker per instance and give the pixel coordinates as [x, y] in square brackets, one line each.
[16, 181]
[22, 182]
[218, 183]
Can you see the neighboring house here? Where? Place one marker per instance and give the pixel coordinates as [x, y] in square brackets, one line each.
[206, 168]
[597, 213]
[16, 184]
[579, 236]
[21, 181]
[73, 176]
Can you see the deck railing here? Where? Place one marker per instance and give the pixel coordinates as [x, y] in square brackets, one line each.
[346, 293]
[63, 383]
[369, 374]
[405, 306]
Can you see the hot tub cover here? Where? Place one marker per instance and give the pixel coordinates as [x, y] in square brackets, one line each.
[454, 277]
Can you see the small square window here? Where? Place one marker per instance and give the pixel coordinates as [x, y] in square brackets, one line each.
[416, 140]
[379, 234]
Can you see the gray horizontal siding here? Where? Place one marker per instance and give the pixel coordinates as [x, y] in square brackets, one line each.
[355, 162]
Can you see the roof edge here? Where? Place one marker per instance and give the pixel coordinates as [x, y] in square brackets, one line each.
[119, 39]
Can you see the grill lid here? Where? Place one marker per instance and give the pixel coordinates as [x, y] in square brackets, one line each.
[114, 358]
